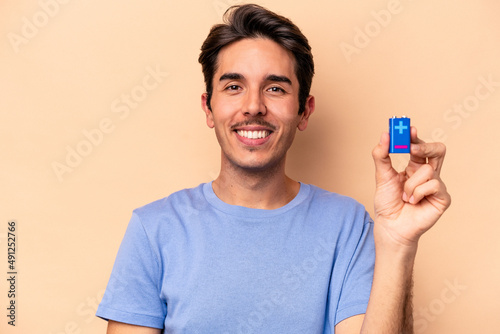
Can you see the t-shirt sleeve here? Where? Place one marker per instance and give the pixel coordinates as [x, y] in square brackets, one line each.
[133, 292]
[357, 283]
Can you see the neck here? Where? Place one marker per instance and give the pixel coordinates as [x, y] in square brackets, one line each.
[269, 189]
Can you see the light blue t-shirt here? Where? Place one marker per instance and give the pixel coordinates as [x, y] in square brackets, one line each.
[191, 263]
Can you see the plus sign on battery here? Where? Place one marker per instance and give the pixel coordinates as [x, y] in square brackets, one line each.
[400, 127]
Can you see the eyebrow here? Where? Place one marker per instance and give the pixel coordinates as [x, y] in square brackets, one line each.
[270, 77]
[279, 78]
[230, 76]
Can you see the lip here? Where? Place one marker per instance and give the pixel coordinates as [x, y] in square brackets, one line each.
[253, 128]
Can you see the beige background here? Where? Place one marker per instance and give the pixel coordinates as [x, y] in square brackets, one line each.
[66, 66]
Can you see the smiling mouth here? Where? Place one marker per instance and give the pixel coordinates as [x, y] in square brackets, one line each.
[253, 134]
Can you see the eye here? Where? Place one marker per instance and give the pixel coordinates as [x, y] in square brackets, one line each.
[232, 87]
[276, 89]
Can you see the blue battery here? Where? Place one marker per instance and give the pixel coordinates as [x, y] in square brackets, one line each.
[399, 130]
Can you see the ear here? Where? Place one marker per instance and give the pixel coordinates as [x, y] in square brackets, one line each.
[206, 109]
[308, 110]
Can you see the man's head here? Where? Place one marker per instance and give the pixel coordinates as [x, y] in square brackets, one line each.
[253, 21]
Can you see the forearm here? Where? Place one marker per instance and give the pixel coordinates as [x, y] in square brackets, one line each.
[390, 306]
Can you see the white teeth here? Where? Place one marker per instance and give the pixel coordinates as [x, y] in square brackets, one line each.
[253, 134]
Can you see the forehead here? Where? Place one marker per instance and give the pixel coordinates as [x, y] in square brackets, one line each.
[254, 57]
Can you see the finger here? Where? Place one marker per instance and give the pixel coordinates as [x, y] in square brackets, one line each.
[433, 152]
[415, 140]
[422, 152]
[380, 154]
[421, 176]
[434, 188]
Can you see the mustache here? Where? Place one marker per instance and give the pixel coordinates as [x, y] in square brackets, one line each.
[254, 122]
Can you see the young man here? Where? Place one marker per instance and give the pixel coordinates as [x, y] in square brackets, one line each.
[255, 251]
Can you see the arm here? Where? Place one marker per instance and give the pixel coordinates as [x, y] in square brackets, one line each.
[132, 294]
[407, 204]
[122, 328]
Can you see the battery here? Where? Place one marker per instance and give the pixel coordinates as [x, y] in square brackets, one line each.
[399, 130]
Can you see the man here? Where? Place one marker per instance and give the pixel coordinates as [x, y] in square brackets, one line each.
[255, 251]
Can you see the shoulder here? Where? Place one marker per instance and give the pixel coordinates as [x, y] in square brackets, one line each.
[341, 213]
[179, 203]
[334, 201]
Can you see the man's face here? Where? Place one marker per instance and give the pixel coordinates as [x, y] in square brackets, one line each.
[255, 104]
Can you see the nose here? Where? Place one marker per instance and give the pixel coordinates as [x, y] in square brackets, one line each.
[253, 104]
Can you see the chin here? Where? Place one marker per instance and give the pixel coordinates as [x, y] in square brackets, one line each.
[254, 166]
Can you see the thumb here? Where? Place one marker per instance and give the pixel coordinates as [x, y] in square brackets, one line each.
[383, 165]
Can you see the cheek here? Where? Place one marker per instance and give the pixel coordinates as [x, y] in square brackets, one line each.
[291, 119]
[287, 108]
[224, 109]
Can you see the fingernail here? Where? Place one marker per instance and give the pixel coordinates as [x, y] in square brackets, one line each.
[412, 200]
[416, 147]
[405, 197]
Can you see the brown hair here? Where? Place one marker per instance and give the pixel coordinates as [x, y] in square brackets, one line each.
[253, 21]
